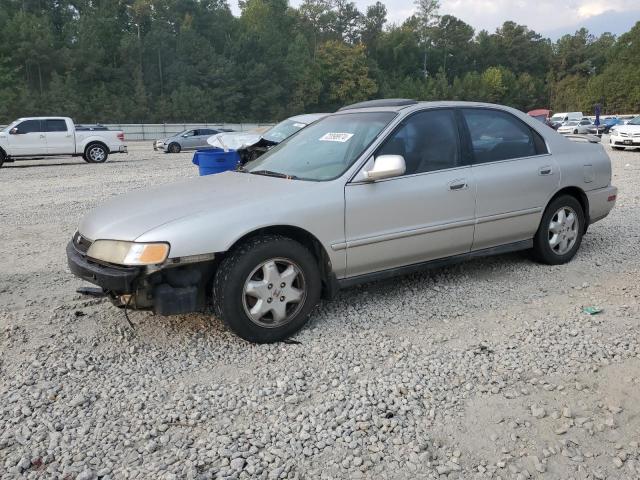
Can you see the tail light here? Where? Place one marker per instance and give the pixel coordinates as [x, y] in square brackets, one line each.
[121, 136]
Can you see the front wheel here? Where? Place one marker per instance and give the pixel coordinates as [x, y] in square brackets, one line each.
[2, 158]
[174, 148]
[95, 153]
[266, 288]
[560, 232]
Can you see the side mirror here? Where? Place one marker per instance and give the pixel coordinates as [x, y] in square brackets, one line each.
[13, 131]
[386, 166]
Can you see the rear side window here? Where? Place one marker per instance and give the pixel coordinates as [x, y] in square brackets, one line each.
[56, 126]
[29, 126]
[428, 141]
[497, 135]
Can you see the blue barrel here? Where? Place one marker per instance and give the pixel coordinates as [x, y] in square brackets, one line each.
[215, 160]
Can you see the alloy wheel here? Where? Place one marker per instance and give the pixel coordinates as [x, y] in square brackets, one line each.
[563, 230]
[274, 293]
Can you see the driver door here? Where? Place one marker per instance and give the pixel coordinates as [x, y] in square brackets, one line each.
[425, 214]
[29, 139]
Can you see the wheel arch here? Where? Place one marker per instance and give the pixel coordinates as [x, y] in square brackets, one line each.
[309, 241]
[579, 195]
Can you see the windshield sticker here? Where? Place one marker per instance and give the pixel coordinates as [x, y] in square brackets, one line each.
[299, 125]
[336, 137]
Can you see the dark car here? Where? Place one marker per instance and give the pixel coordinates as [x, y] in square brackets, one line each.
[605, 126]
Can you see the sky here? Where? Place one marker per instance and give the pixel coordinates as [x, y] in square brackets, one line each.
[552, 18]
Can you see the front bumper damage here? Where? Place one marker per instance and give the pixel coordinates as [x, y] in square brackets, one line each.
[168, 291]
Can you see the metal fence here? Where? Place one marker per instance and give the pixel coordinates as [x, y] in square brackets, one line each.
[153, 131]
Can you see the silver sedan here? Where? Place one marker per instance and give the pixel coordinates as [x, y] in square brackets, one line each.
[375, 190]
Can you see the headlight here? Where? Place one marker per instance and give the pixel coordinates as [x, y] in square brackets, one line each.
[128, 253]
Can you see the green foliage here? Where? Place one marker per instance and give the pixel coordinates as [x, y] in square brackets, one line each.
[192, 60]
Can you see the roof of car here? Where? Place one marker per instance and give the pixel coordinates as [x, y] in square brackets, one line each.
[308, 118]
[416, 106]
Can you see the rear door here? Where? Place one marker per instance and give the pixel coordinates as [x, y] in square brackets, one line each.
[28, 139]
[60, 140]
[425, 214]
[514, 173]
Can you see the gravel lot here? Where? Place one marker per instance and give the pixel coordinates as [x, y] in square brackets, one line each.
[488, 369]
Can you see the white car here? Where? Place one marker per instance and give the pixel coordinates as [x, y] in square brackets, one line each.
[628, 135]
[250, 145]
[57, 136]
[575, 127]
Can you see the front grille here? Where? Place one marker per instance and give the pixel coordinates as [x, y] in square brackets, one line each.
[82, 244]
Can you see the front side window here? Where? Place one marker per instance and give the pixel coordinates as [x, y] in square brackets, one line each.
[29, 126]
[324, 150]
[56, 126]
[497, 135]
[428, 141]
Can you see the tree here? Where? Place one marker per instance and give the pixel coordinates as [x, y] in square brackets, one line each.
[344, 74]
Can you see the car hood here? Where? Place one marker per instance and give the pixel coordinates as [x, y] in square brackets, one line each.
[627, 128]
[129, 216]
[234, 140]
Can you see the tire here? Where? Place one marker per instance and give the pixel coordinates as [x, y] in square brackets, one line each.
[174, 148]
[250, 267]
[95, 153]
[575, 132]
[544, 249]
[2, 158]
[618, 148]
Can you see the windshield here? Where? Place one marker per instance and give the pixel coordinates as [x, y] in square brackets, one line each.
[571, 123]
[557, 118]
[325, 149]
[283, 130]
[635, 121]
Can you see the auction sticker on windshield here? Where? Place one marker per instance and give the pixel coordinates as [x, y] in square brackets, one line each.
[336, 137]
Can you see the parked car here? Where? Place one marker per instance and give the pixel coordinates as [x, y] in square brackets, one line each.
[559, 119]
[250, 145]
[191, 139]
[605, 126]
[628, 135]
[377, 189]
[36, 137]
[575, 127]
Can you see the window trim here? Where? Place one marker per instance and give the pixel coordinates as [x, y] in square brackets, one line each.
[470, 144]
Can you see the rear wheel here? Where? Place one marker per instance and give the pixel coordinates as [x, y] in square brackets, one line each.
[266, 288]
[95, 153]
[560, 232]
[174, 148]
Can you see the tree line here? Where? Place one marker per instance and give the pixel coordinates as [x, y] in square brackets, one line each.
[193, 60]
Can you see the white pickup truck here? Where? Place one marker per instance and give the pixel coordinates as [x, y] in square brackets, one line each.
[57, 136]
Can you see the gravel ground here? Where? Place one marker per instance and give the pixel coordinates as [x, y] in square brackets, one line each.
[488, 369]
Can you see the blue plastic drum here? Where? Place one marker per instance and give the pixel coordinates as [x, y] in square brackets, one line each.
[215, 160]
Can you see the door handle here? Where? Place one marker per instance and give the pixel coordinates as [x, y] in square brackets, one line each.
[41, 136]
[460, 184]
[545, 170]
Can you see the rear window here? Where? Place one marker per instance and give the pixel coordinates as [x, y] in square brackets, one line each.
[56, 125]
[497, 135]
